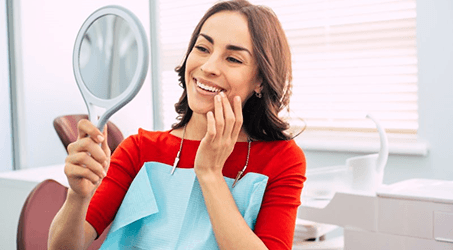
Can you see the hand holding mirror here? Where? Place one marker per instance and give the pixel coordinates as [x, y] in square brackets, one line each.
[110, 61]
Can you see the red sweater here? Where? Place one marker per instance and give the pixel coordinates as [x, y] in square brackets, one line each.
[282, 161]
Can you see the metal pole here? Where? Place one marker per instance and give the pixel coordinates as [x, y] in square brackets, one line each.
[158, 123]
[14, 64]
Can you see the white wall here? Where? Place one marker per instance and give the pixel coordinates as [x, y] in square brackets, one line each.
[48, 29]
[5, 121]
[435, 59]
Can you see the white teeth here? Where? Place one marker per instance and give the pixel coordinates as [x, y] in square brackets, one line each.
[207, 88]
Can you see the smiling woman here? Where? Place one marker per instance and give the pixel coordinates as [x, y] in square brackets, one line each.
[227, 176]
[213, 64]
[254, 49]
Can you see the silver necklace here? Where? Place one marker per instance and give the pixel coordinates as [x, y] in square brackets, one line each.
[179, 152]
[240, 172]
[246, 162]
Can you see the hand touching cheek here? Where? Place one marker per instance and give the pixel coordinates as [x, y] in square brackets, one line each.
[223, 128]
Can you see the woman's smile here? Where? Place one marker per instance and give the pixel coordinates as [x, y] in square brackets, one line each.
[207, 88]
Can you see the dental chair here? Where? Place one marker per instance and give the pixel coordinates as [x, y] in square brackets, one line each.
[66, 128]
[40, 207]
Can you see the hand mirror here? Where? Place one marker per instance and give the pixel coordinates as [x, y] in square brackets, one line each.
[110, 61]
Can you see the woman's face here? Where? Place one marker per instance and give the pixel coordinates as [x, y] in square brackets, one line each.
[221, 60]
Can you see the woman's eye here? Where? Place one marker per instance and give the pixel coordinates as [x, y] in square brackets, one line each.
[202, 49]
[234, 60]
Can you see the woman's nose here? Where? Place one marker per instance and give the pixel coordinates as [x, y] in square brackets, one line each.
[211, 66]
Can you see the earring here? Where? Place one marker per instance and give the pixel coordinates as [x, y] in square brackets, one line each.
[258, 94]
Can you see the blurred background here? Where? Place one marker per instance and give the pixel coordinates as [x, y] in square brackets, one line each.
[392, 58]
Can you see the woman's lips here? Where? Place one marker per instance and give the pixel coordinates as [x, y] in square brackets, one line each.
[206, 87]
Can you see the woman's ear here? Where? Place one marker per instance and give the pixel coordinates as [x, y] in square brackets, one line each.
[259, 87]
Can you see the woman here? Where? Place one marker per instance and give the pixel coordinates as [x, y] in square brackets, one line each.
[236, 78]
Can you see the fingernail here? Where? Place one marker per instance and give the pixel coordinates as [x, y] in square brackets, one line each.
[222, 94]
[217, 98]
[100, 138]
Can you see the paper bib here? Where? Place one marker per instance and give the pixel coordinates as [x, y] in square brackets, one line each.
[163, 211]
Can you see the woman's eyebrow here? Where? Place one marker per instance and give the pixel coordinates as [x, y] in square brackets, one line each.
[207, 38]
[228, 47]
[237, 48]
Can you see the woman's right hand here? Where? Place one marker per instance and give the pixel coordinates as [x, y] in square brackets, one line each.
[87, 162]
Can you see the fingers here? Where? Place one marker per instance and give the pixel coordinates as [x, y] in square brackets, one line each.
[89, 137]
[86, 159]
[211, 127]
[86, 128]
[82, 165]
[77, 172]
[237, 106]
[228, 119]
[105, 147]
[87, 145]
[228, 116]
[219, 120]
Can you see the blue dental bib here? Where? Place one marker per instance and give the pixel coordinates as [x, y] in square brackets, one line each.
[163, 211]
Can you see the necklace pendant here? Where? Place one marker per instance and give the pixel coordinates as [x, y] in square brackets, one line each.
[179, 152]
[237, 178]
[174, 165]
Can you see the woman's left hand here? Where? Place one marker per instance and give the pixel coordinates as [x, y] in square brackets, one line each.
[223, 128]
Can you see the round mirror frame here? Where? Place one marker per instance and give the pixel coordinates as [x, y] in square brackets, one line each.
[114, 104]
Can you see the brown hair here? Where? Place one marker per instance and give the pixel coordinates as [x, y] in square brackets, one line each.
[273, 57]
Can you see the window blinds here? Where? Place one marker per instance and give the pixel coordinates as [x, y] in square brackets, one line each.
[350, 57]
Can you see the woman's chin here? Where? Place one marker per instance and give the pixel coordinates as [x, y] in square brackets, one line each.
[201, 106]
[196, 109]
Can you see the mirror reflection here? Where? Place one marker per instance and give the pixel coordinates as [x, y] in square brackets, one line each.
[108, 56]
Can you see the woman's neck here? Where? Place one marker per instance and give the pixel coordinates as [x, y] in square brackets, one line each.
[196, 127]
